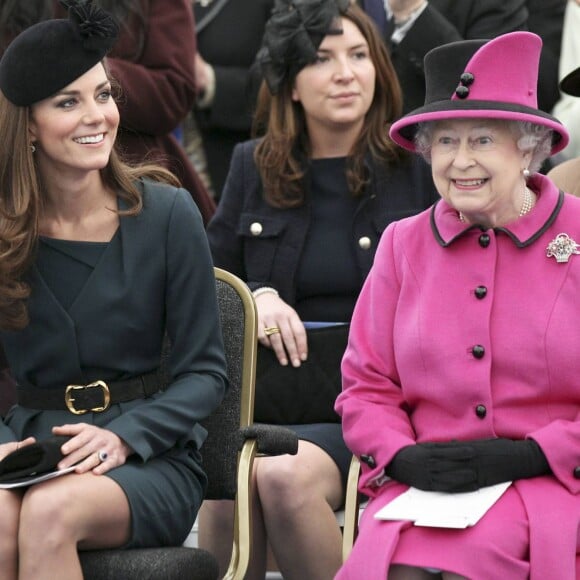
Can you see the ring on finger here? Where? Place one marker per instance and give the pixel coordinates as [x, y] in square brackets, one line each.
[269, 330]
[102, 456]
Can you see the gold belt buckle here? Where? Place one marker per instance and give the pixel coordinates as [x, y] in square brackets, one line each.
[69, 399]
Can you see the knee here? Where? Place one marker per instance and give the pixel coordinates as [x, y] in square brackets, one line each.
[43, 508]
[285, 482]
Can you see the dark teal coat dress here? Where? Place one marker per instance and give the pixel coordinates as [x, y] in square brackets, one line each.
[155, 275]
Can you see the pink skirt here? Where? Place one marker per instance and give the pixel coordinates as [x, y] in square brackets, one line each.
[496, 547]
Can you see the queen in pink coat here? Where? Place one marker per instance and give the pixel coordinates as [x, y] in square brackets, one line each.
[463, 364]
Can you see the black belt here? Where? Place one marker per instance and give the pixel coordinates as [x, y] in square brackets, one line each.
[95, 397]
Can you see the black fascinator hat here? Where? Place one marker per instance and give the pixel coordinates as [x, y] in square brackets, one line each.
[50, 55]
[293, 34]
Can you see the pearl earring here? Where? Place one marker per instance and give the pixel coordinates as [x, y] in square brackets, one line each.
[526, 173]
[33, 147]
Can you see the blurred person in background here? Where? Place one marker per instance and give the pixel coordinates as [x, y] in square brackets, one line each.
[413, 27]
[229, 34]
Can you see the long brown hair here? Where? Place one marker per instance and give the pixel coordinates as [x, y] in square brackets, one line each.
[284, 145]
[21, 205]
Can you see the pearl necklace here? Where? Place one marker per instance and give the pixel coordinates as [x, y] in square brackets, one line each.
[527, 204]
[529, 201]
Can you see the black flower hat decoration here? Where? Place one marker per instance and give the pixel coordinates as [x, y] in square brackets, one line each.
[293, 34]
[50, 55]
[94, 25]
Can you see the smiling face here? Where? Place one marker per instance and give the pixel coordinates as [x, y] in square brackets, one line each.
[477, 168]
[337, 90]
[74, 130]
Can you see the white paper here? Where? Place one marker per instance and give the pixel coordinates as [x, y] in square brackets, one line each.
[36, 478]
[442, 510]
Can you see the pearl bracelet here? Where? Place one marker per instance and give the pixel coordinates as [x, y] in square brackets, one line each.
[264, 290]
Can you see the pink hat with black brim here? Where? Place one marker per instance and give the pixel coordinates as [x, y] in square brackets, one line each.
[471, 79]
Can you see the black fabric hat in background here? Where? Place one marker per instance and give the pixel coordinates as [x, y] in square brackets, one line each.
[50, 55]
[570, 84]
[293, 34]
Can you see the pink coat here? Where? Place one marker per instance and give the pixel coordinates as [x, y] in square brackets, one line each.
[410, 374]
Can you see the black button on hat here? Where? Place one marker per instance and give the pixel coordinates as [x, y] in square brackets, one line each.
[478, 351]
[462, 92]
[467, 79]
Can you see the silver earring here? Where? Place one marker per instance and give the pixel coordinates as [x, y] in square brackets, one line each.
[33, 147]
[526, 173]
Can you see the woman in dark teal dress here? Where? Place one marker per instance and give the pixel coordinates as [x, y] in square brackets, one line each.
[98, 263]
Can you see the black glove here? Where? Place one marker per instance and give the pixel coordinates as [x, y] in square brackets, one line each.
[431, 466]
[466, 465]
[32, 459]
[499, 460]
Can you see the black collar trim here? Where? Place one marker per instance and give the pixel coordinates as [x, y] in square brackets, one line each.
[513, 237]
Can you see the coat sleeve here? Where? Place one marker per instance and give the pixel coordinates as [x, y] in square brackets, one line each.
[197, 363]
[560, 442]
[6, 434]
[375, 420]
[485, 20]
[158, 90]
[225, 242]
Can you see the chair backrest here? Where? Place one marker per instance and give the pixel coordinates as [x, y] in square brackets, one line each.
[239, 324]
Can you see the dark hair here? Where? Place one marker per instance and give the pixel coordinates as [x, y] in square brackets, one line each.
[280, 155]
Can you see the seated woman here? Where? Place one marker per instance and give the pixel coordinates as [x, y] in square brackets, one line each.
[462, 365]
[94, 272]
[300, 219]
